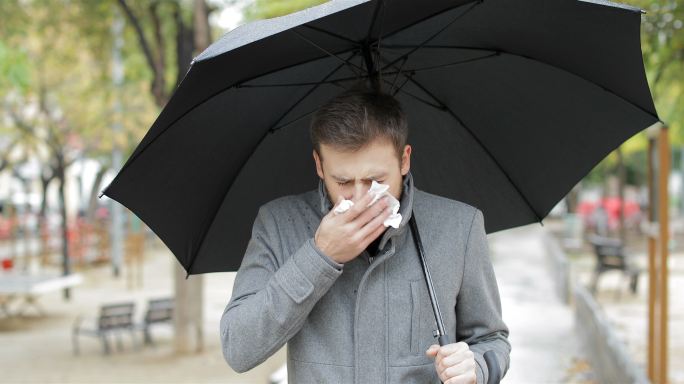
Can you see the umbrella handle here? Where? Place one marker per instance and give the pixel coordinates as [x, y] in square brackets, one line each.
[443, 339]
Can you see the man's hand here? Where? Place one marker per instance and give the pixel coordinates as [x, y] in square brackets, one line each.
[344, 236]
[455, 363]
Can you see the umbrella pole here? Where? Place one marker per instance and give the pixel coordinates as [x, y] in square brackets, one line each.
[441, 336]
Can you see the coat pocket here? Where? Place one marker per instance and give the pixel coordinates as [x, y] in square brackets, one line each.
[418, 297]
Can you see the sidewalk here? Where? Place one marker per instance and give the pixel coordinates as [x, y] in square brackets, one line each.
[545, 348]
[627, 313]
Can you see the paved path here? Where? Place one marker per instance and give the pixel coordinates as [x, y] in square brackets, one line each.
[544, 345]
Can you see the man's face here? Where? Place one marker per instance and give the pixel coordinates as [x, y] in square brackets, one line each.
[349, 174]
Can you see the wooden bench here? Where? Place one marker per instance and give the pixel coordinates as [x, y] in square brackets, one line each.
[610, 255]
[113, 319]
[158, 311]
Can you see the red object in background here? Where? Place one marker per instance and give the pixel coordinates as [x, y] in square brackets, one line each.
[5, 228]
[7, 264]
[612, 207]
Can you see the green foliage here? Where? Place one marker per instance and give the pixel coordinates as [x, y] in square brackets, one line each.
[14, 69]
[662, 42]
[266, 9]
[61, 62]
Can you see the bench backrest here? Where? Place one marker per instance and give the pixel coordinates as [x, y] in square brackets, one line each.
[610, 252]
[116, 316]
[159, 310]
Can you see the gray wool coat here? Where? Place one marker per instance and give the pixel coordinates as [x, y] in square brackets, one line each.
[369, 320]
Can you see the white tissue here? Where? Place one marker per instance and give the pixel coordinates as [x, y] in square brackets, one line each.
[377, 190]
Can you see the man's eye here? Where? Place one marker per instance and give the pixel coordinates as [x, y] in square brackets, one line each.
[338, 183]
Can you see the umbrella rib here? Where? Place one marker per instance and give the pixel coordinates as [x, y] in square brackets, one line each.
[349, 64]
[408, 77]
[472, 6]
[334, 81]
[268, 132]
[421, 69]
[321, 30]
[397, 75]
[376, 11]
[500, 51]
[274, 125]
[273, 129]
[381, 4]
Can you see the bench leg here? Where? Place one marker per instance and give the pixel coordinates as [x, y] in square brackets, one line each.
[119, 341]
[134, 339]
[148, 336]
[633, 282]
[30, 301]
[74, 342]
[618, 292]
[594, 281]
[105, 344]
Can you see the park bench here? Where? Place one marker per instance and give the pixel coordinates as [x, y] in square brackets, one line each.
[113, 319]
[610, 255]
[158, 311]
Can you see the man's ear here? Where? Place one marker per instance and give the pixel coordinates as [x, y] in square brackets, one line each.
[406, 160]
[319, 167]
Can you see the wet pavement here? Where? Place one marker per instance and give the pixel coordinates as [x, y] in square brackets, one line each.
[544, 345]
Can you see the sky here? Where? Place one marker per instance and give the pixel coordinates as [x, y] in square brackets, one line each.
[229, 14]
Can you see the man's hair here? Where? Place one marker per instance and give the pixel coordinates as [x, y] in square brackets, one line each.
[357, 116]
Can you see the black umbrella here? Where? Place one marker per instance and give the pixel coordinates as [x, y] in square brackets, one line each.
[510, 104]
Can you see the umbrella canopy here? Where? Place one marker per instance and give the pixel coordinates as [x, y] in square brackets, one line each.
[510, 104]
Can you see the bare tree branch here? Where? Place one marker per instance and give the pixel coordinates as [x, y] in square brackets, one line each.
[147, 51]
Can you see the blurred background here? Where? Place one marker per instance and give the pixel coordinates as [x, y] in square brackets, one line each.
[89, 294]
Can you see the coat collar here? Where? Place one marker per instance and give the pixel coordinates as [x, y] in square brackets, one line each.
[405, 207]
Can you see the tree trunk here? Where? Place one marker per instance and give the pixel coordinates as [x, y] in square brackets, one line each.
[189, 319]
[63, 212]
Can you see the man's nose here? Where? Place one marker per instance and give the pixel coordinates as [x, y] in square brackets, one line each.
[360, 191]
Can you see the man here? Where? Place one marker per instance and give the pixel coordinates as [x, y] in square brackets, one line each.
[347, 293]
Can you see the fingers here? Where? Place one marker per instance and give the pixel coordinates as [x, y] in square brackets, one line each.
[454, 362]
[375, 227]
[373, 235]
[370, 213]
[359, 207]
[460, 368]
[432, 351]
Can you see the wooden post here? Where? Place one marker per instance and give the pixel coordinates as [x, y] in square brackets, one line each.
[663, 208]
[658, 240]
[652, 270]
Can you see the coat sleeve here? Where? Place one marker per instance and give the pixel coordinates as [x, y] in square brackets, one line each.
[478, 307]
[270, 302]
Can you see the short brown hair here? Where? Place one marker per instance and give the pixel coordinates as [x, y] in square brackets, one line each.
[358, 116]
